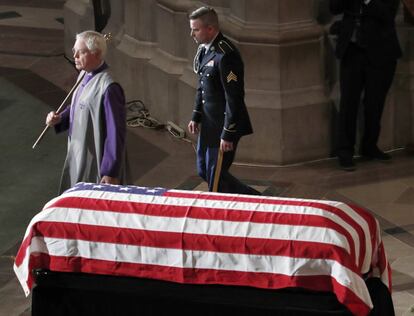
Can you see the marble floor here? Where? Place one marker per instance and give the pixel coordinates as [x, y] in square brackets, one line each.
[34, 78]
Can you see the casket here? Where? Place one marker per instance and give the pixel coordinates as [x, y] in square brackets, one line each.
[194, 249]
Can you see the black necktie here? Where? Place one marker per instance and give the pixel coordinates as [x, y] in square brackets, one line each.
[198, 58]
[202, 53]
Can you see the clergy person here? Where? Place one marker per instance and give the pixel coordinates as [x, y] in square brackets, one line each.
[95, 120]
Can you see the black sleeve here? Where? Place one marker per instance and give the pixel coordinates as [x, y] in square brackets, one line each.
[337, 6]
[198, 106]
[231, 73]
[384, 10]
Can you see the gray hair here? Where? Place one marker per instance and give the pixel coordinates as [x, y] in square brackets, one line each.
[207, 15]
[94, 41]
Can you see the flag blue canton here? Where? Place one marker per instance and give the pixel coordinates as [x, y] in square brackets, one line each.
[82, 186]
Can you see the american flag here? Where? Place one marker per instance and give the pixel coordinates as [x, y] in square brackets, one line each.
[207, 238]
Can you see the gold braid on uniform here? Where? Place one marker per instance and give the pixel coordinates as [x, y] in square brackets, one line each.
[225, 47]
[196, 61]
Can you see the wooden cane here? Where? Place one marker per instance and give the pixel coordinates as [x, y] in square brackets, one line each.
[60, 108]
[218, 170]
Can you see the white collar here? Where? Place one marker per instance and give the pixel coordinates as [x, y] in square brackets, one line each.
[208, 45]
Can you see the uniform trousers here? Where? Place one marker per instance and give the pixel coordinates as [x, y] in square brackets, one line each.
[206, 167]
[361, 75]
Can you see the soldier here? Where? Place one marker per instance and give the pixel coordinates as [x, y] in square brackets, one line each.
[220, 115]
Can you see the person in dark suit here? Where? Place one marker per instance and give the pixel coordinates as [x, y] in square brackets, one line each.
[368, 49]
[220, 115]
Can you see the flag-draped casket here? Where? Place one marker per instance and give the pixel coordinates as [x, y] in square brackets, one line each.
[207, 238]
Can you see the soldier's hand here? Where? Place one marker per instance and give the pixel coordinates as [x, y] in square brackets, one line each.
[226, 145]
[193, 127]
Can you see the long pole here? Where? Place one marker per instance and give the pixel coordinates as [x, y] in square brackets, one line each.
[59, 108]
[217, 172]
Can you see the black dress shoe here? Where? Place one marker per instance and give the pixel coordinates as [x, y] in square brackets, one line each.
[346, 163]
[376, 154]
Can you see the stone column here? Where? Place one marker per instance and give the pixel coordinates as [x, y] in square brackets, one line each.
[116, 23]
[152, 54]
[78, 16]
[282, 47]
[399, 116]
[285, 55]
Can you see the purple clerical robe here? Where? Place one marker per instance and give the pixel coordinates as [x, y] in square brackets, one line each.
[113, 102]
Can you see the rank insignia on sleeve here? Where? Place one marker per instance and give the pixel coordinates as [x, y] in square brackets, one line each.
[231, 76]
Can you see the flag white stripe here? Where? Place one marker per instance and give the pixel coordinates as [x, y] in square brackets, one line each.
[196, 226]
[345, 208]
[22, 271]
[244, 206]
[210, 258]
[203, 260]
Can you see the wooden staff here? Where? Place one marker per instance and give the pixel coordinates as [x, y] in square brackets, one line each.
[60, 108]
[217, 172]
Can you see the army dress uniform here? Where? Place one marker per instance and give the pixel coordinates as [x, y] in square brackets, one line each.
[221, 111]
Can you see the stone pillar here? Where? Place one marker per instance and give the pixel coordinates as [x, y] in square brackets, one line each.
[399, 116]
[282, 47]
[78, 17]
[151, 56]
[116, 23]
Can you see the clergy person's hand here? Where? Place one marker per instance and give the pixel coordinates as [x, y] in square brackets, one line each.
[109, 180]
[52, 118]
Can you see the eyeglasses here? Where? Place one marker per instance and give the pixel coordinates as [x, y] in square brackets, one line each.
[80, 51]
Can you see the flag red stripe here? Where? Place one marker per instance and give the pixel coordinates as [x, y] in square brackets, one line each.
[22, 249]
[185, 241]
[306, 256]
[372, 225]
[293, 202]
[213, 214]
[203, 276]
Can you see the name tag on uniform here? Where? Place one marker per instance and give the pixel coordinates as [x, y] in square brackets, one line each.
[210, 63]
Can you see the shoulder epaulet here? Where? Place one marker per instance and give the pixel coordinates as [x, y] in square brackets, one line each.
[225, 47]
